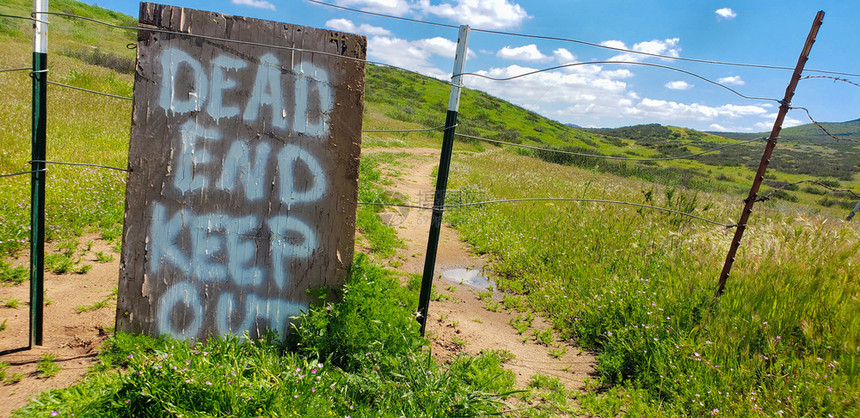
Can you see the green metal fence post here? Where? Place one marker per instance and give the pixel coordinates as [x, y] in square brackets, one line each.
[442, 177]
[37, 187]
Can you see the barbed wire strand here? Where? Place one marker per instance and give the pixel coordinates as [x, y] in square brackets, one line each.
[81, 165]
[397, 205]
[443, 127]
[551, 199]
[647, 64]
[831, 78]
[768, 196]
[90, 91]
[820, 126]
[592, 44]
[7, 70]
[607, 157]
[23, 172]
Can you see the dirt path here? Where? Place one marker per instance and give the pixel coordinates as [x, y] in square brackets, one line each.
[74, 338]
[463, 323]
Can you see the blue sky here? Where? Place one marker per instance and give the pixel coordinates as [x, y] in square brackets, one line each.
[608, 95]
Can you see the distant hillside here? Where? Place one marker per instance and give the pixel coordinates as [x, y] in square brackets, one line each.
[849, 130]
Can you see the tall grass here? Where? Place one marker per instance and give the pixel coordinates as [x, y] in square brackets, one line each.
[637, 287]
[360, 357]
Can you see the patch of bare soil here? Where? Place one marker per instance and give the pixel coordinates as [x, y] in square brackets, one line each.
[74, 338]
[462, 323]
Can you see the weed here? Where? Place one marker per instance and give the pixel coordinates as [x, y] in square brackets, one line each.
[485, 294]
[545, 337]
[458, 342]
[558, 352]
[437, 296]
[522, 322]
[13, 275]
[97, 305]
[513, 302]
[59, 263]
[492, 305]
[103, 258]
[3, 326]
[452, 288]
[478, 320]
[68, 247]
[82, 269]
[12, 303]
[47, 366]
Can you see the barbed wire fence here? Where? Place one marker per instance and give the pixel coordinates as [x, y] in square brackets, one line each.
[833, 75]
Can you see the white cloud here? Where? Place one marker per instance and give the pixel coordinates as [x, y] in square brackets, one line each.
[563, 56]
[411, 55]
[717, 127]
[678, 85]
[726, 13]
[528, 52]
[786, 123]
[614, 44]
[485, 14]
[563, 95]
[260, 4]
[345, 25]
[742, 110]
[441, 46]
[734, 80]
[392, 7]
[669, 110]
[668, 47]
[618, 74]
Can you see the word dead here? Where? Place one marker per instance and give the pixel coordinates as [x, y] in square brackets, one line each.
[268, 98]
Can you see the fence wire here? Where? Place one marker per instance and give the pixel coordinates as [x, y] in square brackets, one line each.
[90, 91]
[548, 199]
[608, 157]
[820, 126]
[23, 172]
[770, 194]
[646, 64]
[81, 165]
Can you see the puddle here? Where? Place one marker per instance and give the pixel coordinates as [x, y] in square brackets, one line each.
[469, 277]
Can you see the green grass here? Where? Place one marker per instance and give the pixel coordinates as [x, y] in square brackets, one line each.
[637, 287]
[97, 305]
[381, 238]
[13, 275]
[47, 366]
[361, 356]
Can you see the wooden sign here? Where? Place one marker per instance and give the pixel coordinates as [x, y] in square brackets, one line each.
[244, 172]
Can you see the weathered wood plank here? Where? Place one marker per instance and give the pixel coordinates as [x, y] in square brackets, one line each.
[244, 167]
